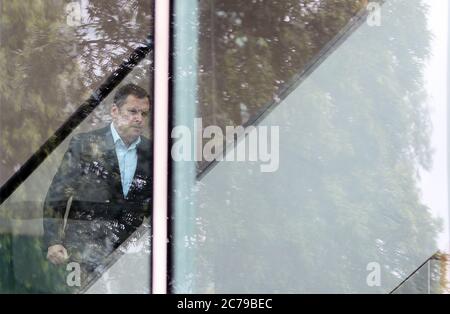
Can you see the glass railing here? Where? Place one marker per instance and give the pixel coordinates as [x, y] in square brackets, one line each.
[432, 277]
[63, 63]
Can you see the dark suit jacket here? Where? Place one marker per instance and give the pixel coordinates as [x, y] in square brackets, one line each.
[100, 217]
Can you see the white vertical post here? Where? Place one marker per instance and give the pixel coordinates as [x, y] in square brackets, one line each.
[161, 146]
[429, 276]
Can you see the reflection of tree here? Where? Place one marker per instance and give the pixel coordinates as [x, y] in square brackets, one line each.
[358, 145]
[33, 66]
[111, 32]
[49, 68]
[280, 36]
[430, 278]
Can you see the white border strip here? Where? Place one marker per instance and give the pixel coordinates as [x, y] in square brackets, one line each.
[160, 147]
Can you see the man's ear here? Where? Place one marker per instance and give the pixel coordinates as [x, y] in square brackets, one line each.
[114, 111]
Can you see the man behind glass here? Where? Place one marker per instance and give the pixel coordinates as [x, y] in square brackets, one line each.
[103, 186]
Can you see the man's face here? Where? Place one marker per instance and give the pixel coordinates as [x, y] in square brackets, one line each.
[130, 119]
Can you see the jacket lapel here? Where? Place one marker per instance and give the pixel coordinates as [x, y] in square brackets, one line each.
[142, 176]
[111, 161]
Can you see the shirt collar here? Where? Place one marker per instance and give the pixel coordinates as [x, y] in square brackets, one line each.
[117, 138]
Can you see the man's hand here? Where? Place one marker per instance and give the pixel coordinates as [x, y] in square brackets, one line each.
[57, 254]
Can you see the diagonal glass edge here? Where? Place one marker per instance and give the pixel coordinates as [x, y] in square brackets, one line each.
[75, 119]
[354, 23]
[439, 256]
[325, 52]
[114, 256]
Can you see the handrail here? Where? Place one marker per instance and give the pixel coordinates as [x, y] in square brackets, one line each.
[114, 256]
[438, 256]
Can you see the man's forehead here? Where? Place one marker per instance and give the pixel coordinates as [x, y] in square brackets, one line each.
[133, 101]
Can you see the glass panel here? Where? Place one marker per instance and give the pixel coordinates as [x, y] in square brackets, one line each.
[72, 198]
[430, 278]
[339, 184]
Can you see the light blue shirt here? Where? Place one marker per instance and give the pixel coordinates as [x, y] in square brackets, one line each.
[127, 157]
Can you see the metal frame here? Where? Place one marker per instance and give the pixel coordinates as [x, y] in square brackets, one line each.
[161, 147]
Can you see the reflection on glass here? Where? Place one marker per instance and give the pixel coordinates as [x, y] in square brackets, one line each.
[348, 209]
[430, 278]
[250, 52]
[102, 190]
[54, 54]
